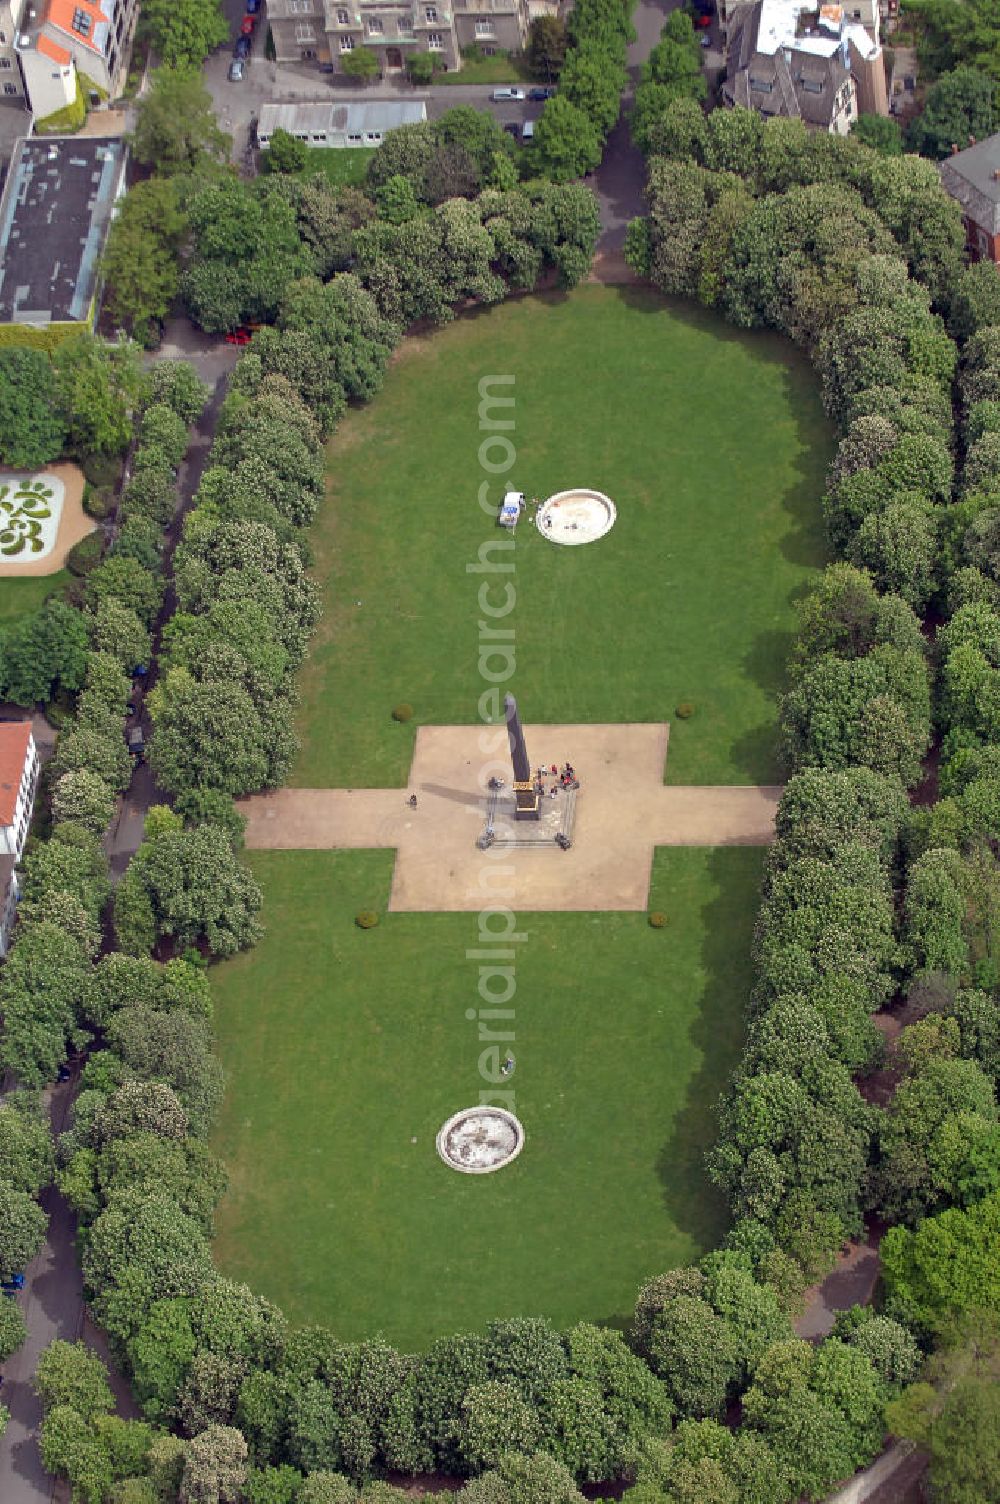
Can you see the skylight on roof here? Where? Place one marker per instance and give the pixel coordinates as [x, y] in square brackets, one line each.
[81, 22]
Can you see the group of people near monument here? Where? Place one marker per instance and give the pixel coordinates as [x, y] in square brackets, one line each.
[564, 778]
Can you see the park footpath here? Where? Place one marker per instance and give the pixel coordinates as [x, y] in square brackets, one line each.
[52, 1299]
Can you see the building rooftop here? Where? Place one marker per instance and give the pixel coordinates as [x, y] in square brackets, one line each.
[979, 166]
[54, 217]
[807, 26]
[14, 738]
[322, 117]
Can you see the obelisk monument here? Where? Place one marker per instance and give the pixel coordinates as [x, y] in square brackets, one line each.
[526, 796]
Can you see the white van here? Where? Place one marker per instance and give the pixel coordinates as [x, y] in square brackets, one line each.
[500, 96]
[528, 131]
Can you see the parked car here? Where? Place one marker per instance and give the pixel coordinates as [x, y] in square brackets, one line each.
[242, 48]
[237, 71]
[501, 96]
[705, 39]
[136, 743]
[528, 131]
[253, 6]
[247, 25]
[546, 91]
[239, 337]
[702, 23]
[512, 128]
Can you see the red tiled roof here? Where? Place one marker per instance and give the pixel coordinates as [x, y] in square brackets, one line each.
[60, 14]
[14, 736]
[54, 51]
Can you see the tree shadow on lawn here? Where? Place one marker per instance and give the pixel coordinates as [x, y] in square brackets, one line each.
[718, 1032]
[757, 748]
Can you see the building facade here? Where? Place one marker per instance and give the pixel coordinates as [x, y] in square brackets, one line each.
[19, 769]
[395, 29]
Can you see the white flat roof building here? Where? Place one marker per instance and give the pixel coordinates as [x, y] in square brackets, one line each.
[325, 124]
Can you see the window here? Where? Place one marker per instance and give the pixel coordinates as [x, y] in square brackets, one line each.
[434, 42]
[81, 23]
[374, 26]
[5, 62]
[484, 28]
[300, 7]
[343, 18]
[810, 86]
[373, 136]
[347, 44]
[304, 32]
[355, 139]
[10, 88]
[761, 85]
[430, 13]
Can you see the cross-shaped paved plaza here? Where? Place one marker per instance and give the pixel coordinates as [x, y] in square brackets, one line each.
[623, 811]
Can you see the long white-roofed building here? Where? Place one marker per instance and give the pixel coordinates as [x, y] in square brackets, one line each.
[326, 124]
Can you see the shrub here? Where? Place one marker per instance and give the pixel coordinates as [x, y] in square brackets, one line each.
[98, 501]
[85, 555]
[684, 711]
[101, 470]
[366, 919]
[657, 920]
[402, 712]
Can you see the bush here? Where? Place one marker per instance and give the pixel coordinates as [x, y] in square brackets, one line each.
[366, 919]
[684, 711]
[402, 712]
[657, 920]
[85, 555]
[102, 470]
[98, 502]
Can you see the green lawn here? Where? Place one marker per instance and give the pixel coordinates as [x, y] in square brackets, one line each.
[502, 68]
[18, 597]
[346, 1050]
[712, 443]
[339, 164]
[341, 1046]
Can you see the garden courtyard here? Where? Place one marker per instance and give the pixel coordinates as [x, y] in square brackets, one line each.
[345, 1050]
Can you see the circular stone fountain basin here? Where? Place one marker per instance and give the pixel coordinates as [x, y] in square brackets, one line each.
[478, 1140]
[574, 517]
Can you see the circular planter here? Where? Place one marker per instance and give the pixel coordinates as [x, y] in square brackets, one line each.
[574, 517]
[479, 1140]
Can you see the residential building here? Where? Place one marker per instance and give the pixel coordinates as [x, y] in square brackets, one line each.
[11, 15]
[806, 62]
[19, 769]
[324, 124]
[329, 30]
[9, 894]
[55, 212]
[95, 35]
[973, 178]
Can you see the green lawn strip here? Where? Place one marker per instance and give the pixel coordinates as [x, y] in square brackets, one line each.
[340, 1046]
[19, 596]
[712, 444]
[338, 164]
[503, 68]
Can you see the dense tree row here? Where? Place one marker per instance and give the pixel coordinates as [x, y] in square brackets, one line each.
[570, 136]
[855, 256]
